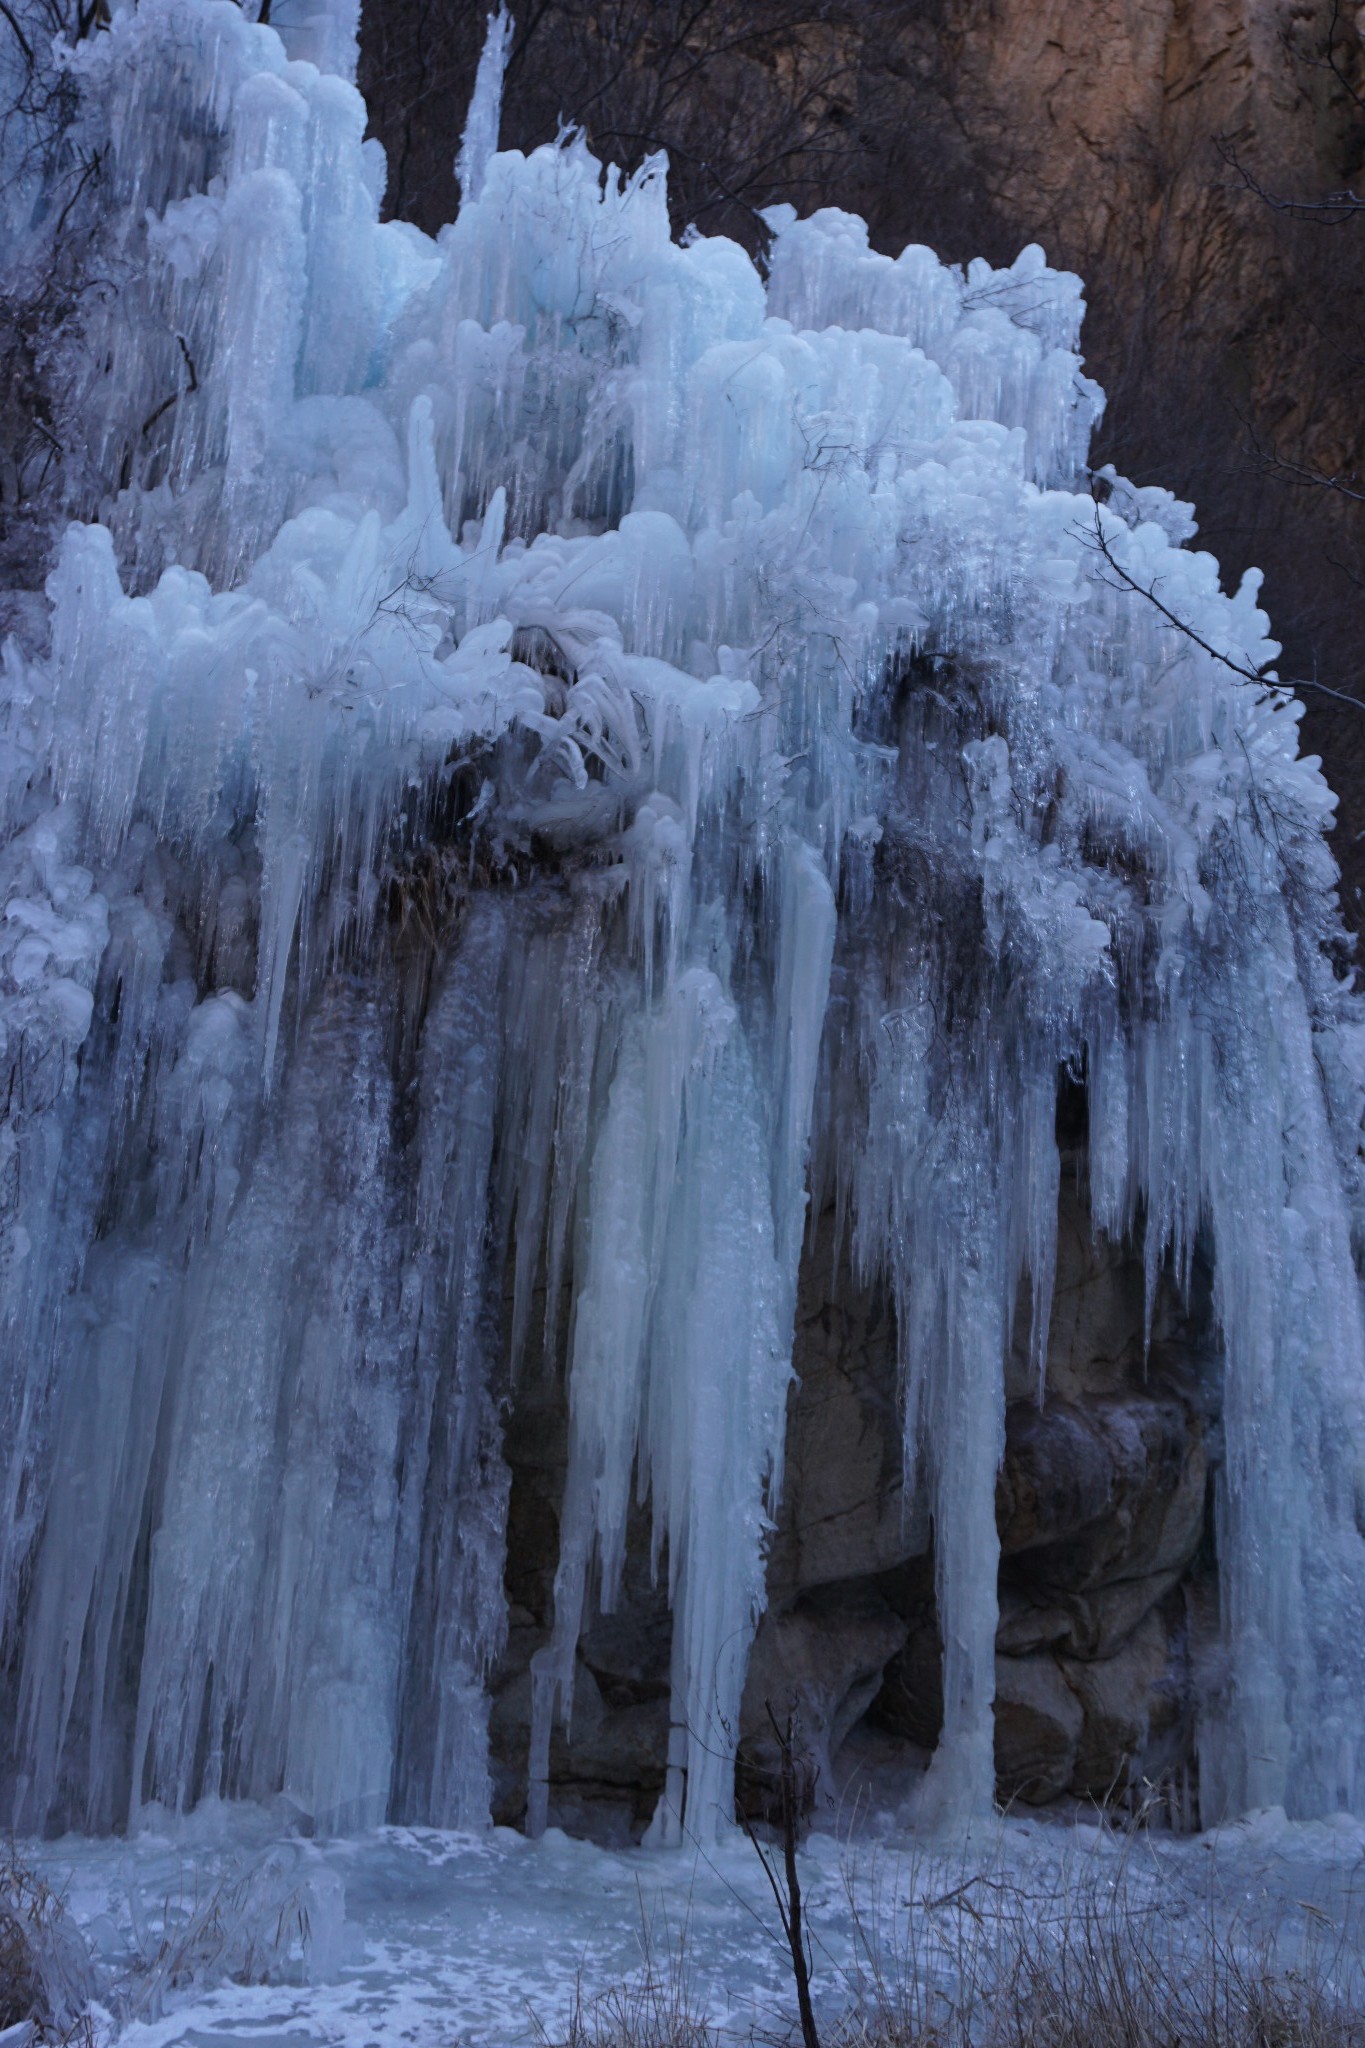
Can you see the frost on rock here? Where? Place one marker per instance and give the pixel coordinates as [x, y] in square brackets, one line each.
[560, 753]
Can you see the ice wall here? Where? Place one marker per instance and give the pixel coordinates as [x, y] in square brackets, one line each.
[559, 750]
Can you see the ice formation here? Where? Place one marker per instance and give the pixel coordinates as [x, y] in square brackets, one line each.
[561, 752]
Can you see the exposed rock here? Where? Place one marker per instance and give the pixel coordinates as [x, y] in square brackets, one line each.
[1131, 1705]
[1060, 1474]
[1091, 1624]
[607, 1767]
[1101, 1508]
[843, 1514]
[1093, 1728]
[1118, 1481]
[1101, 1505]
[1095, 1335]
[909, 1702]
[628, 1650]
[1038, 1729]
[821, 1663]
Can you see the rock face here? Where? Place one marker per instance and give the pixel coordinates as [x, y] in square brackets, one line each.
[1143, 143]
[1101, 1508]
[607, 1768]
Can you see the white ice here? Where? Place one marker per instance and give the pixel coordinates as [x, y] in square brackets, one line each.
[221, 1932]
[723, 672]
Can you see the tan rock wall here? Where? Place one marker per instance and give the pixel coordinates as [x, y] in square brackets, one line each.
[1101, 1506]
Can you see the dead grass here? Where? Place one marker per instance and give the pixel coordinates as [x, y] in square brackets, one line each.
[45, 1979]
[993, 1964]
[653, 2010]
[1113, 1979]
[656, 2007]
[251, 1927]
[248, 1927]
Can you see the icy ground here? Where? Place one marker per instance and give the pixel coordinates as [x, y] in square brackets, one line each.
[414, 1935]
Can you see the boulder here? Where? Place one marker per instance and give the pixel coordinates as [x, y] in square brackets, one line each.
[1094, 1623]
[909, 1701]
[843, 1513]
[606, 1767]
[1136, 1708]
[819, 1662]
[1039, 1725]
[1101, 1510]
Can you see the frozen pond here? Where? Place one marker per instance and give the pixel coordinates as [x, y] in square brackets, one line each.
[416, 1936]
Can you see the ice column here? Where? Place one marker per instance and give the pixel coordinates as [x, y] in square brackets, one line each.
[479, 144]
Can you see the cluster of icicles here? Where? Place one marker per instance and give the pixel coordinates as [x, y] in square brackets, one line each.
[565, 754]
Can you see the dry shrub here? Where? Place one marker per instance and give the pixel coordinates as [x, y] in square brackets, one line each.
[1107, 1968]
[1111, 1982]
[652, 2010]
[1105, 1954]
[245, 1927]
[45, 1977]
[656, 2007]
[995, 1963]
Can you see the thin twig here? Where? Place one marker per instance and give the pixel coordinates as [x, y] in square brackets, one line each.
[1097, 541]
[1332, 211]
[181, 391]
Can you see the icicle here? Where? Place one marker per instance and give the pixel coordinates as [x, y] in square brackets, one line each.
[478, 146]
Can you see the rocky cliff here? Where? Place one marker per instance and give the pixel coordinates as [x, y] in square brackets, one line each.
[1107, 1596]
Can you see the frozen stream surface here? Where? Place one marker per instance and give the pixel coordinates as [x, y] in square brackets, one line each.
[421, 1936]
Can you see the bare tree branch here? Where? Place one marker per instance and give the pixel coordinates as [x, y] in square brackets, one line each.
[1095, 538]
[1334, 210]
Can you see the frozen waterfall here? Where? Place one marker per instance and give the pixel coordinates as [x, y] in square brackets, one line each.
[561, 754]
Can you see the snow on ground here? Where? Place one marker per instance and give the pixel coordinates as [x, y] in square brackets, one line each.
[413, 1935]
